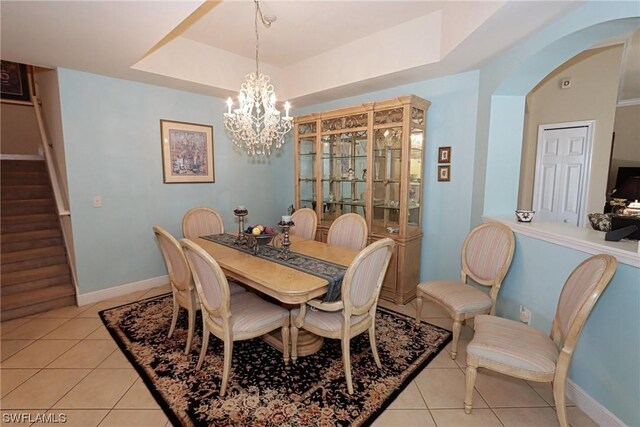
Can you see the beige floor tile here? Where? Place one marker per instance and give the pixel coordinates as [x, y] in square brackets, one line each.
[77, 329]
[501, 391]
[34, 329]
[101, 389]
[137, 397]
[407, 309]
[442, 322]
[117, 360]
[442, 360]
[96, 308]
[577, 418]
[12, 378]
[10, 325]
[134, 418]
[430, 309]
[77, 417]
[157, 291]
[404, 418]
[10, 347]
[44, 388]
[65, 312]
[546, 392]
[85, 354]
[130, 297]
[461, 357]
[39, 354]
[458, 418]
[410, 398]
[527, 417]
[444, 389]
[99, 334]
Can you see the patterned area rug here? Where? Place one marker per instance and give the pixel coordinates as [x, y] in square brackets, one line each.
[263, 391]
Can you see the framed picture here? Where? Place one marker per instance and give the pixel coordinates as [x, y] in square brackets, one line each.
[14, 81]
[187, 152]
[444, 173]
[444, 154]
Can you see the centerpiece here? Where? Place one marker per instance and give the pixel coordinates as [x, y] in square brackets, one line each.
[259, 235]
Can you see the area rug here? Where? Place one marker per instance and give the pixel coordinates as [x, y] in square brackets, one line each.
[262, 390]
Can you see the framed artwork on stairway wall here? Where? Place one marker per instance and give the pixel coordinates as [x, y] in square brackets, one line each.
[14, 83]
[187, 152]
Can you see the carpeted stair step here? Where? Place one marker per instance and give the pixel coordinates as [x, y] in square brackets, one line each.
[27, 207]
[32, 258]
[35, 285]
[16, 277]
[13, 177]
[25, 192]
[19, 223]
[36, 301]
[24, 165]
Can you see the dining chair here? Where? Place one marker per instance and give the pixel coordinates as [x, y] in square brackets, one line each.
[348, 231]
[518, 350]
[201, 221]
[230, 317]
[306, 223]
[487, 252]
[356, 310]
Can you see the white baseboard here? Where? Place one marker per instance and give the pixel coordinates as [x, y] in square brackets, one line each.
[594, 409]
[21, 157]
[127, 288]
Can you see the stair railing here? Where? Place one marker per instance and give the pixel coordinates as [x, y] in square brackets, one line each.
[64, 213]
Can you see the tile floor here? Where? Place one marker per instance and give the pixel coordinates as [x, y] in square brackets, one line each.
[65, 362]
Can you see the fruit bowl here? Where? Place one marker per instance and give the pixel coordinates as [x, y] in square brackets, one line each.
[259, 235]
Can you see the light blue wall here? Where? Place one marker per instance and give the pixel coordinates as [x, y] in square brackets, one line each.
[451, 121]
[112, 147]
[605, 362]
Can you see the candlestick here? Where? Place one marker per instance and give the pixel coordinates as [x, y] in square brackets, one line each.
[286, 225]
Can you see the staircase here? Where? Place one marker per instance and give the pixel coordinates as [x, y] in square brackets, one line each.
[35, 273]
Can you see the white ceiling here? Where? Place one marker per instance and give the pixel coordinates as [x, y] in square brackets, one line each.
[316, 50]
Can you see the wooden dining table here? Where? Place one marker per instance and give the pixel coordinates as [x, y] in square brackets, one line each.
[289, 286]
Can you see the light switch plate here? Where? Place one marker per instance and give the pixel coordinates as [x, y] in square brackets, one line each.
[97, 201]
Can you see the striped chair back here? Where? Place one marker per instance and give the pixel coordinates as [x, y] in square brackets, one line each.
[348, 231]
[579, 295]
[487, 253]
[306, 223]
[201, 222]
[363, 279]
[211, 283]
[177, 267]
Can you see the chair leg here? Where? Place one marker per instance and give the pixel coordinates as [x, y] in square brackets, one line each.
[470, 382]
[559, 398]
[294, 343]
[192, 327]
[174, 319]
[346, 362]
[285, 343]
[418, 309]
[205, 344]
[372, 341]
[457, 326]
[228, 352]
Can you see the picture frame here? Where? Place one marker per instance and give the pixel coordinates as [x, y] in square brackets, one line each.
[187, 152]
[444, 154]
[444, 173]
[15, 85]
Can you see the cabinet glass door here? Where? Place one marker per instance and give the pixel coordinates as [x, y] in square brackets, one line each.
[307, 172]
[387, 175]
[416, 153]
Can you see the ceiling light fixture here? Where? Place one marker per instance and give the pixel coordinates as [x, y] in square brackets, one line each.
[255, 126]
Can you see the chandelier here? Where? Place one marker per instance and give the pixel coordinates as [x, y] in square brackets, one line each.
[255, 126]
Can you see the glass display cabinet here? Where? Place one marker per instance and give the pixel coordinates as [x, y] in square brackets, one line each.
[367, 160]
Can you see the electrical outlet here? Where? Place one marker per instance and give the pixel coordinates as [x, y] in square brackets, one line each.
[525, 315]
[97, 201]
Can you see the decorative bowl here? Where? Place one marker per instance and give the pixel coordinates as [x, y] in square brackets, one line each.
[524, 215]
[257, 240]
[600, 221]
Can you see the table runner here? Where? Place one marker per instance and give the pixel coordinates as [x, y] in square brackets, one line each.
[332, 273]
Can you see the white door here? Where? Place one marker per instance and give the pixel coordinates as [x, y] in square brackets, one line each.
[561, 173]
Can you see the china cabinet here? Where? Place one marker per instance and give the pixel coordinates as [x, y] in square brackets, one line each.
[367, 160]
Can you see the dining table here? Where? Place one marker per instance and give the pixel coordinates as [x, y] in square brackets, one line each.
[288, 285]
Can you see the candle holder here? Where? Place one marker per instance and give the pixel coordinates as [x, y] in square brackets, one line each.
[241, 212]
[285, 242]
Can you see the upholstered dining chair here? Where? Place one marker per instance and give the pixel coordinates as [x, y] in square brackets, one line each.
[487, 252]
[230, 317]
[356, 310]
[348, 231]
[306, 223]
[201, 222]
[518, 350]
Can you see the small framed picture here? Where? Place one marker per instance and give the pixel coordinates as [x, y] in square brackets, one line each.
[444, 154]
[14, 83]
[444, 173]
[187, 152]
